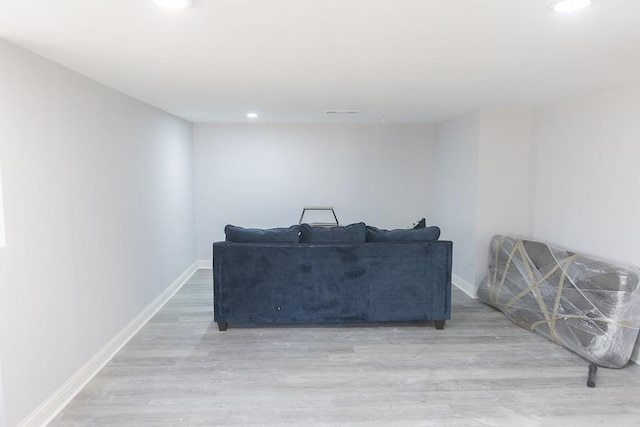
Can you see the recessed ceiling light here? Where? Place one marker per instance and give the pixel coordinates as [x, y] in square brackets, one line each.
[569, 5]
[252, 115]
[174, 4]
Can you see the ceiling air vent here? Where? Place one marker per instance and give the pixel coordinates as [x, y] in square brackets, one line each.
[341, 111]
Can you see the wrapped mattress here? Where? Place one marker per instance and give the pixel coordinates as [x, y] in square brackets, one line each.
[588, 305]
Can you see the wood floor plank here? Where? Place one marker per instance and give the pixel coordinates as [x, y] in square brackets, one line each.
[481, 370]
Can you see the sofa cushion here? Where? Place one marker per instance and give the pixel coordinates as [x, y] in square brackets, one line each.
[257, 235]
[427, 234]
[352, 233]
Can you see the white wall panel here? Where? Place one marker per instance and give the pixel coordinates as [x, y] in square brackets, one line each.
[256, 175]
[587, 189]
[99, 210]
[455, 189]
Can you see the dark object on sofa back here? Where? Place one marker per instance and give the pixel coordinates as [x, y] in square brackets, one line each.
[318, 283]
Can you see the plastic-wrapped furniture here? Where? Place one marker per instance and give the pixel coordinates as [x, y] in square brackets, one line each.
[585, 304]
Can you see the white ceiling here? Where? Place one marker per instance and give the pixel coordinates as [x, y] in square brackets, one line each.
[419, 61]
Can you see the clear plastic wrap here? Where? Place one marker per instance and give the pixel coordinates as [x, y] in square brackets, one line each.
[588, 305]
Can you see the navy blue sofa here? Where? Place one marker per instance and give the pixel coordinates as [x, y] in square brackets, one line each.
[268, 283]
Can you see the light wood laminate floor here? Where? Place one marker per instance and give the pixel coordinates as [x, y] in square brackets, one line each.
[481, 370]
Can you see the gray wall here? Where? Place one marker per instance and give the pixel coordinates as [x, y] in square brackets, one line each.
[99, 213]
[587, 185]
[455, 189]
[482, 182]
[256, 175]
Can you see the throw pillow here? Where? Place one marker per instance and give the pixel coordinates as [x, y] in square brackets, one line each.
[257, 235]
[428, 234]
[352, 233]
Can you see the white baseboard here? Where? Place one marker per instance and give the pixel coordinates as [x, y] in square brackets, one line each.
[464, 286]
[205, 263]
[61, 397]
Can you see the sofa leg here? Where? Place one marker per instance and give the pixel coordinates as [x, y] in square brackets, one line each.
[440, 324]
[222, 326]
